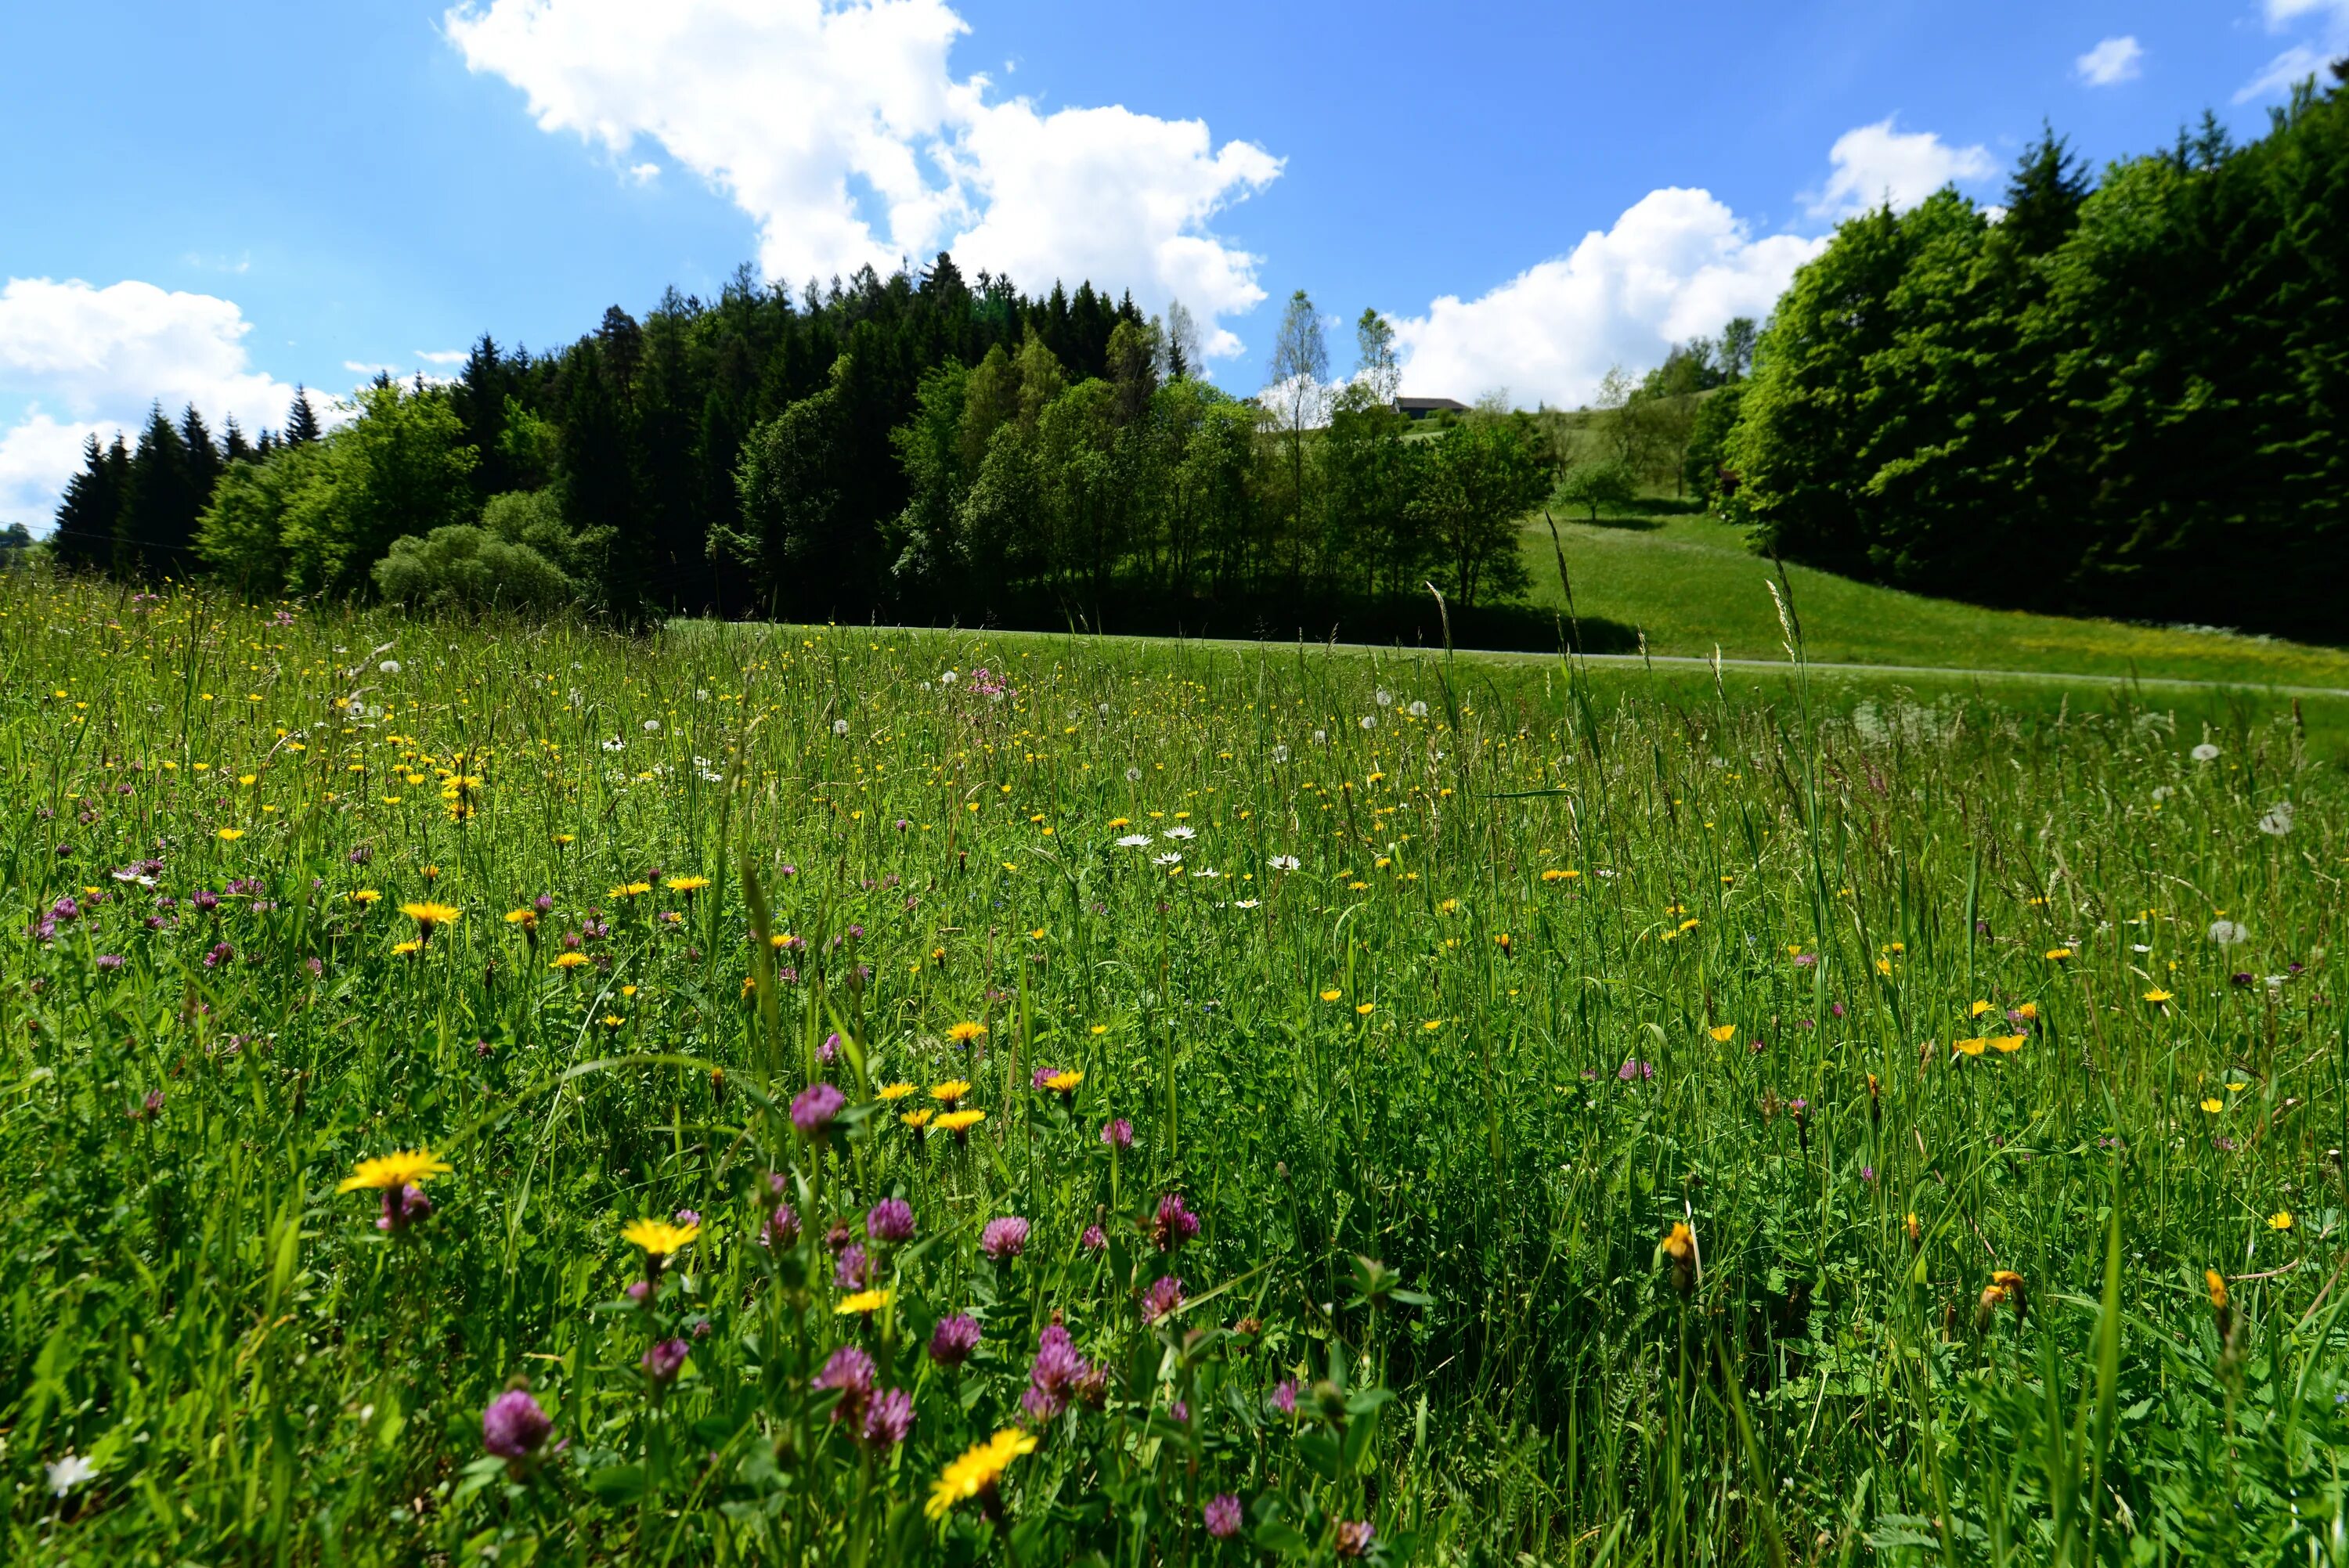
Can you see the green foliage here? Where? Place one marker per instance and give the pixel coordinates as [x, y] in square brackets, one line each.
[1606, 484]
[1474, 482]
[461, 567]
[2122, 401]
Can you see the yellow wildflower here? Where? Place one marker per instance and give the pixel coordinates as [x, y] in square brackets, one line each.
[409, 1167]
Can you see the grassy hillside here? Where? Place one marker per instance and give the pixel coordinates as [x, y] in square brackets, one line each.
[1687, 583]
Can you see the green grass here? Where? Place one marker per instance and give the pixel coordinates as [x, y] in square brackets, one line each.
[1566, 958]
[1687, 581]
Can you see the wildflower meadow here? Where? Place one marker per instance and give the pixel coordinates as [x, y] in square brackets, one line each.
[489, 1093]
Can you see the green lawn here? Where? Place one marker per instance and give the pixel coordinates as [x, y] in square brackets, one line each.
[1689, 583]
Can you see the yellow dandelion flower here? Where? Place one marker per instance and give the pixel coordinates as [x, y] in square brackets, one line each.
[865, 1303]
[407, 1168]
[918, 1120]
[2028, 1009]
[1065, 1081]
[427, 915]
[1331, 995]
[951, 1090]
[980, 1468]
[686, 884]
[562, 839]
[962, 1034]
[895, 1090]
[1432, 1024]
[959, 1121]
[658, 1237]
[2057, 954]
[522, 917]
[568, 961]
[2158, 996]
[366, 896]
[2281, 1220]
[402, 949]
[630, 890]
[1978, 1009]
[1972, 1047]
[2217, 1286]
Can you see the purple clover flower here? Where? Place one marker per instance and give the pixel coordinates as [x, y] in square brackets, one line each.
[1054, 1376]
[888, 1418]
[1118, 1134]
[1094, 1240]
[1634, 1070]
[1173, 1225]
[814, 1106]
[514, 1424]
[403, 1207]
[1004, 1239]
[665, 1360]
[1222, 1516]
[853, 1271]
[954, 1339]
[890, 1220]
[850, 1370]
[1164, 1297]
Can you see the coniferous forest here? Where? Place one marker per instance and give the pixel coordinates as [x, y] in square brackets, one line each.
[2121, 395]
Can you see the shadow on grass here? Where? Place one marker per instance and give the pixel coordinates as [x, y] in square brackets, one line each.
[1506, 628]
[1411, 624]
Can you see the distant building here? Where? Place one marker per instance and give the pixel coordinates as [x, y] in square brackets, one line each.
[1428, 408]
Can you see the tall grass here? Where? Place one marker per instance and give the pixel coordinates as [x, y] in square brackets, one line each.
[1911, 1021]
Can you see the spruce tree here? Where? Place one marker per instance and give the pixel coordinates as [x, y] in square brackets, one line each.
[158, 521]
[92, 506]
[2043, 194]
[300, 421]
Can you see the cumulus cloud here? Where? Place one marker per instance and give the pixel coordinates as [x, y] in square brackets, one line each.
[91, 360]
[1679, 262]
[843, 132]
[1878, 163]
[2112, 62]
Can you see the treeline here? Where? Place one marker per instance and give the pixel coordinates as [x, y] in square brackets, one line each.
[2130, 399]
[919, 448]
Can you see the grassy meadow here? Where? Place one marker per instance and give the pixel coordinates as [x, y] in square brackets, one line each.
[1689, 583]
[482, 1093]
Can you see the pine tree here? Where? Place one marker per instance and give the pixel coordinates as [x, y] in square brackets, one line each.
[158, 521]
[203, 458]
[235, 447]
[2043, 194]
[300, 421]
[91, 507]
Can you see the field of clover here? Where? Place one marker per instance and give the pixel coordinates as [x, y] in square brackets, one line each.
[477, 1092]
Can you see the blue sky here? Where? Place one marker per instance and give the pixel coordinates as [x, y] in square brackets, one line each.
[213, 204]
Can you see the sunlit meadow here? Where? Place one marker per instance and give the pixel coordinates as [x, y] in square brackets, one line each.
[484, 1093]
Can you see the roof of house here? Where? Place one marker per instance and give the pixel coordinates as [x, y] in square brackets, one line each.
[1431, 406]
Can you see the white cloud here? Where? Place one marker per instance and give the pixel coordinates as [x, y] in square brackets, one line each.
[2283, 13]
[644, 173]
[2305, 60]
[2114, 61]
[91, 360]
[844, 133]
[1679, 262]
[1876, 163]
[443, 356]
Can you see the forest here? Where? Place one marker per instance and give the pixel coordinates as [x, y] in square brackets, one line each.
[2123, 396]
[2118, 396]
